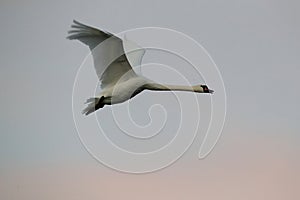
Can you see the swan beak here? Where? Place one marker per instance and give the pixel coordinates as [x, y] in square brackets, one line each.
[211, 91]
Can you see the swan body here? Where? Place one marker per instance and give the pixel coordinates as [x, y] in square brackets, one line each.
[119, 82]
[124, 90]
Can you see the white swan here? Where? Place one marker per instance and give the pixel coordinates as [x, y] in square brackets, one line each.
[118, 80]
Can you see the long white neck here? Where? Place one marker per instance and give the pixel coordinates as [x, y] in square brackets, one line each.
[160, 87]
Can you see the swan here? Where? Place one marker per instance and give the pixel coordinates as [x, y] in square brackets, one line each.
[119, 82]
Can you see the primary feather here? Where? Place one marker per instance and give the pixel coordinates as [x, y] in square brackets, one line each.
[110, 61]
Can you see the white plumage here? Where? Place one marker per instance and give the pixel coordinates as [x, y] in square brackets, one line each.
[118, 80]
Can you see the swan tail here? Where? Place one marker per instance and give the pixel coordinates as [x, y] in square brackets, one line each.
[93, 105]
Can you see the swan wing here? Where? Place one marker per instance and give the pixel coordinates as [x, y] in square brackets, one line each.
[134, 54]
[110, 61]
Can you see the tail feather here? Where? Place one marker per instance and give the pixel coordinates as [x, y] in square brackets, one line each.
[91, 100]
[93, 105]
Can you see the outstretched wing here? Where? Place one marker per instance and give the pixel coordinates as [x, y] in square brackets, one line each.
[110, 61]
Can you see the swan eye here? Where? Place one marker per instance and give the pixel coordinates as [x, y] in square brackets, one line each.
[205, 88]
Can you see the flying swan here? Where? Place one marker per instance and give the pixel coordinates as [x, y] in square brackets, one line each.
[119, 82]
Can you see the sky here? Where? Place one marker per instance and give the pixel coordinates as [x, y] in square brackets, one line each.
[255, 45]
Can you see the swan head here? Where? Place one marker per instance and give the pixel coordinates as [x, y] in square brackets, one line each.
[203, 89]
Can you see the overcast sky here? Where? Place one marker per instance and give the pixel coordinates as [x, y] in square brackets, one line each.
[255, 45]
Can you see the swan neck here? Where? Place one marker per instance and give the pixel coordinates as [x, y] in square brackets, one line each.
[156, 86]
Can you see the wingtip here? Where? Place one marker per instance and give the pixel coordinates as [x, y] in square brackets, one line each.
[77, 24]
[75, 21]
[74, 29]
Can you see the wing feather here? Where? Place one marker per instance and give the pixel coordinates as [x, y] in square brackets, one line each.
[110, 61]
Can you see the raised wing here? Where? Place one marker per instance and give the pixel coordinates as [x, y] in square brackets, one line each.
[110, 61]
[134, 54]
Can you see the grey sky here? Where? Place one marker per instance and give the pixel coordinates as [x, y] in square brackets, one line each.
[255, 44]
